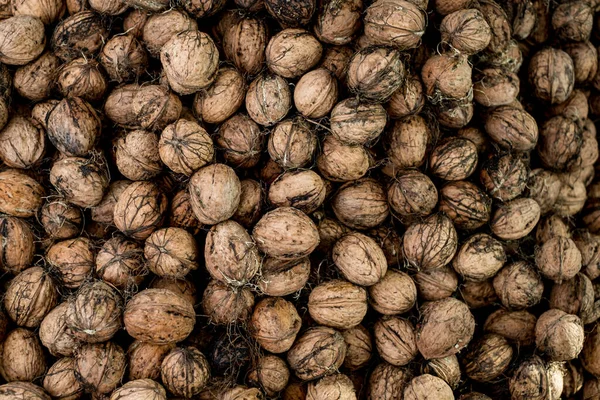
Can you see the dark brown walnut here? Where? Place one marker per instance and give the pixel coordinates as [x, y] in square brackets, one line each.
[445, 7]
[4, 111]
[270, 373]
[241, 141]
[573, 21]
[447, 77]
[516, 326]
[244, 44]
[339, 162]
[453, 159]
[124, 58]
[396, 23]
[561, 140]
[241, 392]
[140, 210]
[30, 296]
[22, 357]
[291, 14]
[275, 323]
[171, 252]
[61, 220]
[181, 214]
[436, 284]
[330, 230]
[551, 75]
[159, 316]
[499, 26]
[22, 390]
[47, 11]
[120, 263]
[407, 141]
[250, 5]
[190, 61]
[387, 382]
[575, 296]
[544, 187]
[80, 34]
[144, 359]
[375, 73]
[185, 371]
[286, 233]
[281, 277]
[477, 136]
[269, 172]
[479, 294]
[55, 334]
[223, 98]
[104, 211]
[17, 245]
[395, 340]
[495, 87]
[73, 126]
[225, 304]
[360, 259]
[585, 61]
[559, 335]
[203, 8]
[143, 388]
[512, 128]
[72, 261]
[466, 31]
[214, 193]
[354, 122]
[536, 379]
[338, 304]
[518, 286]
[292, 143]
[423, 386]
[137, 155]
[515, 219]
[430, 244]
[160, 28]
[34, 81]
[318, 352]
[20, 195]
[82, 78]
[81, 181]
[293, 52]
[304, 190]
[185, 147]
[335, 59]
[551, 226]
[359, 347]
[315, 93]
[22, 143]
[100, 367]
[337, 386]
[395, 293]
[338, 22]
[60, 380]
[558, 259]
[572, 379]
[588, 154]
[251, 202]
[487, 358]
[571, 199]
[589, 246]
[455, 114]
[108, 7]
[183, 287]
[94, 313]
[390, 242]
[446, 368]
[23, 39]
[409, 99]
[522, 16]
[589, 354]
[268, 99]
[479, 258]
[504, 176]
[361, 204]
[5, 83]
[445, 328]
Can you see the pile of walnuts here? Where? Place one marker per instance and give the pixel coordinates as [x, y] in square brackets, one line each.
[299, 199]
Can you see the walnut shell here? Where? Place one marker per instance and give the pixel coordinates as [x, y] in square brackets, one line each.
[559, 335]
[225, 304]
[185, 147]
[161, 27]
[142, 388]
[274, 324]
[544, 187]
[244, 43]
[479, 294]
[81, 181]
[292, 14]
[446, 368]
[341, 163]
[585, 61]
[22, 391]
[360, 259]
[120, 263]
[423, 386]
[124, 58]
[81, 34]
[487, 358]
[430, 244]
[575, 296]
[185, 371]
[409, 99]
[436, 284]
[551, 75]
[395, 23]
[60, 380]
[407, 141]
[100, 367]
[283, 277]
[315, 93]
[293, 52]
[190, 61]
[395, 340]
[387, 382]
[447, 77]
[375, 73]
[412, 194]
[466, 31]
[453, 159]
[104, 211]
[337, 23]
[479, 258]
[515, 219]
[331, 387]
[137, 155]
[518, 286]
[270, 373]
[558, 259]
[223, 98]
[17, 245]
[72, 261]
[171, 252]
[30, 296]
[354, 122]
[159, 316]
[318, 352]
[395, 293]
[338, 304]
[144, 359]
[241, 141]
[304, 190]
[495, 87]
[573, 21]
[34, 81]
[359, 347]
[516, 326]
[534, 378]
[73, 126]
[361, 204]
[181, 214]
[140, 210]
[22, 358]
[268, 99]
[24, 39]
[504, 176]
[56, 335]
[83, 78]
[512, 128]
[292, 143]
[20, 195]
